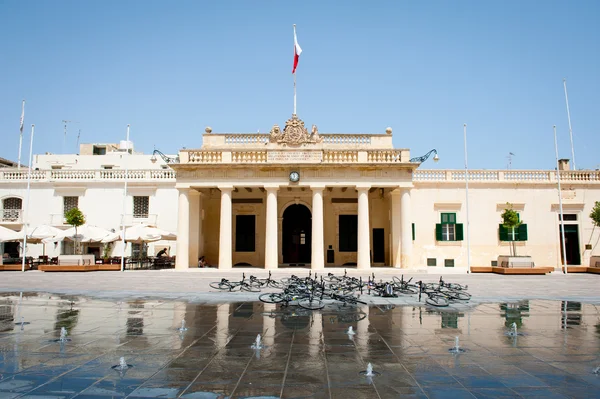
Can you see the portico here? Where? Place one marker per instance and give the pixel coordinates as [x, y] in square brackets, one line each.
[295, 198]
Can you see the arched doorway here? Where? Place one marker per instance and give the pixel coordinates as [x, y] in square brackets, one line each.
[296, 235]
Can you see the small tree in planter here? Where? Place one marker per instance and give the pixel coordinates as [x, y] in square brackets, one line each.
[75, 218]
[510, 221]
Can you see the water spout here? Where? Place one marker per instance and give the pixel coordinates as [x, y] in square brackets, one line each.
[597, 370]
[122, 363]
[350, 331]
[63, 334]
[257, 343]
[369, 372]
[514, 329]
[456, 348]
[183, 327]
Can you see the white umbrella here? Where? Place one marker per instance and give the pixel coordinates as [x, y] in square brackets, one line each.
[36, 234]
[85, 233]
[143, 233]
[5, 234]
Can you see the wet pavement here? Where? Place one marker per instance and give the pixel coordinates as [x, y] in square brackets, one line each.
[306, 354]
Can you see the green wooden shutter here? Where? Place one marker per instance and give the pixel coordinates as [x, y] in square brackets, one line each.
[444, 218]
[452, 218]
[522, 232]
[438, 232]
[413, 231]
[459, 231]
[503, 232]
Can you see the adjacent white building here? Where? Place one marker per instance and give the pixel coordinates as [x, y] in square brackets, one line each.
[300, 198]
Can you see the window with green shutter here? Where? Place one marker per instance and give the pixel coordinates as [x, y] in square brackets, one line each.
[448, 229]
[413, 231]
[522, 232]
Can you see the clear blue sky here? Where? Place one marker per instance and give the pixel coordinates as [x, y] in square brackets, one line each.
[422, 67]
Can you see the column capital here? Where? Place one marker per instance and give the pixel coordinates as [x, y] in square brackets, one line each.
[396, 191]
[319, 187]
[227, 188]
[271, 187]
[360, 187]
[194, 193]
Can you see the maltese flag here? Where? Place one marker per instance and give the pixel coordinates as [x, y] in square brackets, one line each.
[297, 51]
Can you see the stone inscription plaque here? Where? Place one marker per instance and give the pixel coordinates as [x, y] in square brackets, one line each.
[294, 156]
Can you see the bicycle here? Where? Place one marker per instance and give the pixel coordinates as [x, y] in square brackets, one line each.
[226, 285]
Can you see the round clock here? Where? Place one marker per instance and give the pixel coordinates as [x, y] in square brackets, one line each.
[294, 176]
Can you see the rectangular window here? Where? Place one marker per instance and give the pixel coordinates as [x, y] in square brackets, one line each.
[448, 262]
[413, 231]
[70, 203]
[431, 262]
[448, 229]
[245, 226]
[348, 233]
[141, 207]
[97, 150]
[568, 217]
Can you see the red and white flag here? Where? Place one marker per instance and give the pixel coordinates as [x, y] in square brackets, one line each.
[297, 51]
[22, 117]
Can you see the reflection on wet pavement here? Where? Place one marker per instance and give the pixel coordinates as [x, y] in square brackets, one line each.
[303, 353]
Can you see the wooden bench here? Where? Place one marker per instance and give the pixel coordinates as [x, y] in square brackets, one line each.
[595, 270]
[481, 269]
[13, 267]
[521, 270]
[68, 268]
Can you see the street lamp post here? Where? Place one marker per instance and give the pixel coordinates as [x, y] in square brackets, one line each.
[424, 158]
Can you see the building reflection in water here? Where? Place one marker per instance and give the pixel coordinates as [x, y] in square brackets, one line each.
[514, 313]
[135, 320]
[570, 314]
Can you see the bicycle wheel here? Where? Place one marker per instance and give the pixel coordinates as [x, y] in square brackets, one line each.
[311, 304]
[274, 284]
[218, 285]
[459, 295]
[249, 288]
[436, 300]
[273, 297]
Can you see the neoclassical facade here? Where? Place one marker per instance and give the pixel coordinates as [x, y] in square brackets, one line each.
[296, 197]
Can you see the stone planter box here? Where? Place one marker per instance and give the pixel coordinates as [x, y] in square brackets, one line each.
[516, 261]
[76, 260]
[595, 261]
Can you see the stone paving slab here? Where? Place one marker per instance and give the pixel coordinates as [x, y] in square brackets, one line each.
[193, 285]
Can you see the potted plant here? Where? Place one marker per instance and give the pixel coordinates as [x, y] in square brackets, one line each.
[106, 251]
[595, 216]
[75, 218]
[513, 229]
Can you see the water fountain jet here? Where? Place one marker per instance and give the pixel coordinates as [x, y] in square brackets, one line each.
[456, 348]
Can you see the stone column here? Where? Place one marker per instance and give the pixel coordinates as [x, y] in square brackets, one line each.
[183, 230]
[271, 237]
[396, 247]
[364, 242]
[317, 260]
[200, 224]
[225, 254]
[194, 199]
[406, 227]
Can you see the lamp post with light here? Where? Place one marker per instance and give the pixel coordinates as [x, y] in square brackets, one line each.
[424, 158]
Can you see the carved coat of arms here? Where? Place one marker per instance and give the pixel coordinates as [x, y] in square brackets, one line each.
[294, 133]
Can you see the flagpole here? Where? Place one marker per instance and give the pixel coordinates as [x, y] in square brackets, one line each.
[27, 201]
[21, 133]
[294, 70]
[569, 118]
[125, 200]
[562, 219]
[467, 200]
